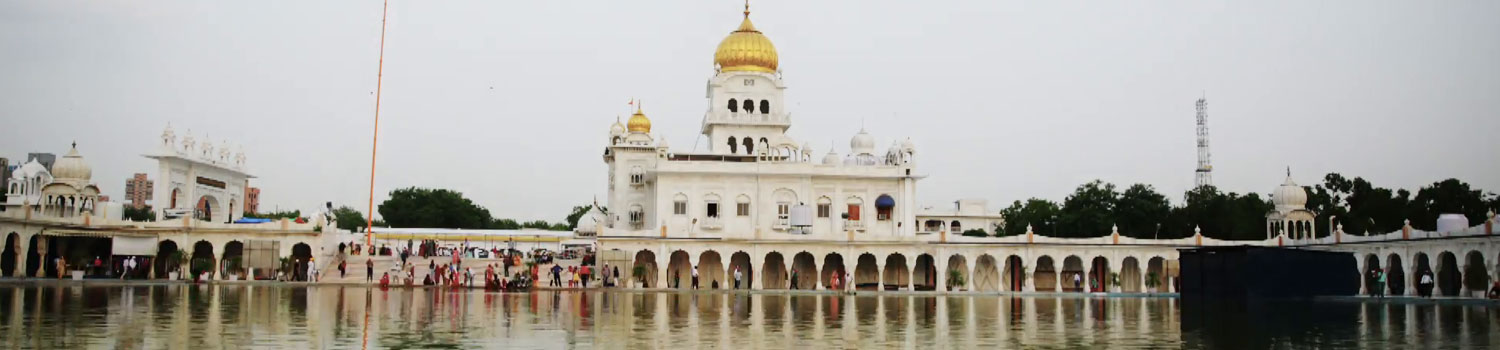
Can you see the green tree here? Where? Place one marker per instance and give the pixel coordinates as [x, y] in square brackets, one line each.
[1041, 214]
[537, 224]
[290, 215]
[1446, 197]
[505, 224]
[1140, 211]
[1089, 211]
[139, 215]
[349, 219]
[560, 227]
[578, 212]
[439, 208]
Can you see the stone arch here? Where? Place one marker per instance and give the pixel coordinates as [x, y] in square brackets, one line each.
[1371, 266]
[176, 193]
[202, 259]
[1395, 275]
[773, 272]
[1099, 275]
[1046, 274]
[206, 207]
[1015, 274]
[679, 270]
[833, 265]
[740, 260]
[1448, 282]
[1072, 267]
[1422, 266]
[165, 262]
[734, 105]
[645, 264]
[710, 270]
[1130, 275]
[959, 265]
[1476, 273]
[866, 272]
[896, 275]
[11, 253]
[986, 276]
[301, 256]
[233, 258]
[924, 274]
[804, 271]
[1156, 268]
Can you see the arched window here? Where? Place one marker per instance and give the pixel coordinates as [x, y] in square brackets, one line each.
[955, 227]
[883, 205]
[679, 204]
[711, 206]
[825, 207]
[734, 106]
[853, 209]
[637, 176]
[749, 145]
[765, 107]
[742, 206]
[733, 148]
[174, 199]
[749, 106]
[637, 214]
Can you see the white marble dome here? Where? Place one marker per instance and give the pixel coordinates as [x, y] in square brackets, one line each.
[29, 170]
[862, 143]
[1289, 195]
[72, 168]
[832, 158]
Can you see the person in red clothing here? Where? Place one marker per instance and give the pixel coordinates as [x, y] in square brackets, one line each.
[385, 280]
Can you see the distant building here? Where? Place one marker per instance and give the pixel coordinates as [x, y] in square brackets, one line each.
[252, 200]
[138, 190]
[4, 173]
[46, 159]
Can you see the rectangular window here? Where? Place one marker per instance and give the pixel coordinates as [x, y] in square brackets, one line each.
[712, 209]
[742, 209]
[823, 210]
[679, 208]
[854, 212]
[882, 213]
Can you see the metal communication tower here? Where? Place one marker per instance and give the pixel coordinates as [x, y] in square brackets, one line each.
[1204, 174]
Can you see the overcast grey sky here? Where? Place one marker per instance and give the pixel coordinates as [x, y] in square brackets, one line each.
[510, 101]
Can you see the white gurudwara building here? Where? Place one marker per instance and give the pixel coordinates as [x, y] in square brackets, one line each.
[755, 180]
[199, 179]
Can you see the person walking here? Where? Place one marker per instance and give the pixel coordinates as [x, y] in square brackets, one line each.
[583, 275]
[1424, 286]
[343, 265]
[737, 277]
[370, 270]
[794, 279]
[556, 276]
[1380, 283]
[1078, 282]
[695, 277]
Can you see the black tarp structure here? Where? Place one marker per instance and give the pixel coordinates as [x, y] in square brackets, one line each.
[1266, 272]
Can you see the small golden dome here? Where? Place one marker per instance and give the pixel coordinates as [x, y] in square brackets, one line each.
[746, 50]
[638, 122]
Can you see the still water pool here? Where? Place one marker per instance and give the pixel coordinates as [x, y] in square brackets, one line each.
[297, 317]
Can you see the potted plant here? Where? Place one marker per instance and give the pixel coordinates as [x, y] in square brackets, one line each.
[1152, 280]
[955, 279]
[1114, 282]
[174, 263]
[76, 263]
[639, 272]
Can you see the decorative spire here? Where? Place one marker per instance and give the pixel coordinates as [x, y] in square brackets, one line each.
[747, 8]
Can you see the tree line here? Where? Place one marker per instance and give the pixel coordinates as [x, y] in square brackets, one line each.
[443, 208]
[1142, 212]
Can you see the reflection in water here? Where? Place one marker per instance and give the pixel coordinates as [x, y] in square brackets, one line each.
[182, 316]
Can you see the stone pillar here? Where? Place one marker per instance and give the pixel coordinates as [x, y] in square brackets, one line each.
[851, 264]
[756, 275]
[911, 275]
[1030, 274]
[942, 274]
[662, 278]
[879, 275]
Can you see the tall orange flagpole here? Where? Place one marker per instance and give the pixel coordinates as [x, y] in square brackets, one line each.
[375, 140]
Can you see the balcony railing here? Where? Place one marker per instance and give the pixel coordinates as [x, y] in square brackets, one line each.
[712, 223]
[854, 225]
[783, 221]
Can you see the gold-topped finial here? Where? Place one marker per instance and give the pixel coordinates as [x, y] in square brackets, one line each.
[746, 49]
[638, 122]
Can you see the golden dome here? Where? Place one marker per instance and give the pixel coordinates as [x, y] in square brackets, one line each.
[638, 122]
[746, 50]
